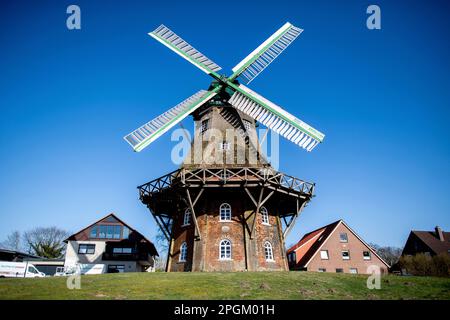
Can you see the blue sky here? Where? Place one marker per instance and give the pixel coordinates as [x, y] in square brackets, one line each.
[381, 97]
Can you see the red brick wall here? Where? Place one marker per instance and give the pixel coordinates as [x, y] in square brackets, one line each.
[335, 247]
[206, 250]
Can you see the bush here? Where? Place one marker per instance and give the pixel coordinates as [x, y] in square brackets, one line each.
[426, 265]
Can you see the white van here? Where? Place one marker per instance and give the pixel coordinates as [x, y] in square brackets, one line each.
[19, 270]
[81, 268]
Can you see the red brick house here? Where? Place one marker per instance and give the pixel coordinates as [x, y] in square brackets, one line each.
[334, 248]
[427, 242]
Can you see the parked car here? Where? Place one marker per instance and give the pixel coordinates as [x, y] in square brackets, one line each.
[19, 270]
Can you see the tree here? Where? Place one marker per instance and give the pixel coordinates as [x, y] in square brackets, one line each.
[389, 254]
[13, 241]
[46, 242]
[163, 247]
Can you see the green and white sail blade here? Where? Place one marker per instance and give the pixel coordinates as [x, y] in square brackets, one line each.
[175, 43]
[275, 118]
[152, 130]
[262, 56]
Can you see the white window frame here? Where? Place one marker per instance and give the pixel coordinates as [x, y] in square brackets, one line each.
[321, 270]
[264, 216]
[345, 258]
[226, 247]
[368, 257]
[227, 212]
[322, 256]
[268, 251]
[183, 252]
[187, 217]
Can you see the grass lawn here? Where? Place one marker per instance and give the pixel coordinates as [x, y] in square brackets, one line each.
[243, 285]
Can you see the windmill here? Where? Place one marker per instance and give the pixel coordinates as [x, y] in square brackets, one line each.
[227, 216]
[242, 98]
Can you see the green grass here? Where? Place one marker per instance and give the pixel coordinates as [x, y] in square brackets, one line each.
[243, 285]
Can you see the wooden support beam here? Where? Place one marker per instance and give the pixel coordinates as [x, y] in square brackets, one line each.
[164, 230]
[292, 221]
[267, 198]
[193, 213]
[251, 197]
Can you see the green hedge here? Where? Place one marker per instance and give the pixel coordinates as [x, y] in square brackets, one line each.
[426, 265]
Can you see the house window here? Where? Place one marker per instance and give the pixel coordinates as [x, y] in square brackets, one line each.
[116, 234]
[291, 257]
[116, 268]
[109, 232]
[86, 249]
[102, 232]
[225, 145]
[343, 237]
[183, 252]
[353, 270]
[225, 250]
[345, 255]
[125, 232]
[366, 255]
[123, 250]
[324, 254]
[205, 125]
[339, 270]
[268, 251]
[247, 124]
[264, 215]
[93, 233]
[322, 270]
[225, 212]
[187, 217]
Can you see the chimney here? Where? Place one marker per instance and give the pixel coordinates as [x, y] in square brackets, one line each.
[439, 233]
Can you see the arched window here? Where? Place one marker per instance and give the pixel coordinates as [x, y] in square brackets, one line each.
[264, 215]
[268, 251]
[225, 250]
[183, 252]
[187, 217]
[225, 212]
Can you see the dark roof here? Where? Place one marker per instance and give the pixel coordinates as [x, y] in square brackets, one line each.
[431, 240]
[152, 246]
[14, 253]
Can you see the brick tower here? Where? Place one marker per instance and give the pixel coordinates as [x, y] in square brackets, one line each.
[223, 209]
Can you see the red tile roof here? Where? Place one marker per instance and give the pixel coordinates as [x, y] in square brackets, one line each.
[310, 243]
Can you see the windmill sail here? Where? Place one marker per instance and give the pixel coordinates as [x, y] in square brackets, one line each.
[152, 130]
[275, 118]
[175, 43]
[262, 56]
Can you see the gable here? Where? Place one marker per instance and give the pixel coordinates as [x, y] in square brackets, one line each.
[426, 241]
[354, 244]
[311, 243]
